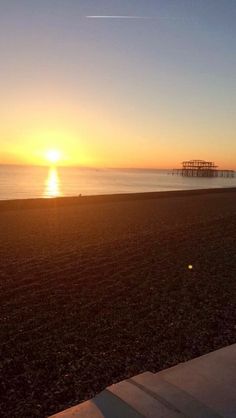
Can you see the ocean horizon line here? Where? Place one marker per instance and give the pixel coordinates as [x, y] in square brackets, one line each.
[58, 166]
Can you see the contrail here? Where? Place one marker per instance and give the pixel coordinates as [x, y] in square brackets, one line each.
[119, 17]
[137, 17]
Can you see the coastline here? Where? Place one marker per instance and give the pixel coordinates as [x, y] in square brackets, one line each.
[97, 289]
[104, 198]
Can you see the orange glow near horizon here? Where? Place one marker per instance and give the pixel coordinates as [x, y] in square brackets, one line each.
[101, 137]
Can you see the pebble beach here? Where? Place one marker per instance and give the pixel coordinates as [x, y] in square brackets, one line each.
[94, 290]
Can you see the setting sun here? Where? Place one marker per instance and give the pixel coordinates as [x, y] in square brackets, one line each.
[53, 156]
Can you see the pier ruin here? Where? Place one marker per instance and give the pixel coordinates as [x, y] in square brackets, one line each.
[202, 168]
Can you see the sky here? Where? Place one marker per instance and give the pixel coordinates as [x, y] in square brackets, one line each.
[147, 91]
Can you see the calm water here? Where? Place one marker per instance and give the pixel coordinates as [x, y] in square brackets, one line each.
[32, 182]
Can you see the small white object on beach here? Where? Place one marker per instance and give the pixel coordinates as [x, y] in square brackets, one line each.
[190, 267]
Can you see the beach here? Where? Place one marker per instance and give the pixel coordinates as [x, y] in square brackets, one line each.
[97, 289]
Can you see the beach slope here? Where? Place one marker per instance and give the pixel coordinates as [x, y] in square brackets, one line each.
[97, 289]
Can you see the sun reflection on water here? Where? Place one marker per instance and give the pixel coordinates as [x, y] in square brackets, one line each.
[52, 184]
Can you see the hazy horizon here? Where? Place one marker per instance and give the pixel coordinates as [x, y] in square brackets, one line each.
[81, 167]
[29, 182]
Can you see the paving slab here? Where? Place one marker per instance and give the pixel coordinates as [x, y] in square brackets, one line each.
[210, 379]
[167, 392]
[143, 402]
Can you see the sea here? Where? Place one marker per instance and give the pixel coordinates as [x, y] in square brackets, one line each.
[24, 182]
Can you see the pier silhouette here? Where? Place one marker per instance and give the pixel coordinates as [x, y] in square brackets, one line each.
[201, 168]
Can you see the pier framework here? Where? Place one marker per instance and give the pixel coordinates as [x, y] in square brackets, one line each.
[202, 168]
